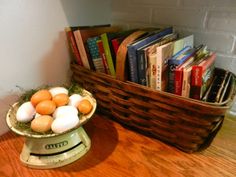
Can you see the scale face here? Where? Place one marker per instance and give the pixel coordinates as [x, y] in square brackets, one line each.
[56, 151]
[51, 150]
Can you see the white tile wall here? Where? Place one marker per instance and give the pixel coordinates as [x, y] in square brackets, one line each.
[213, 22]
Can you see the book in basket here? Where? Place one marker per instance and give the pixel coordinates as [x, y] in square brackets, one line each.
[81, 36]
[202, 76]
[132, 50]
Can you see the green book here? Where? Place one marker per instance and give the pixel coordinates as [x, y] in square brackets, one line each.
[109, 53]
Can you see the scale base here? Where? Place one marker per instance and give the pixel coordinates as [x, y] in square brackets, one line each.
[56, 151]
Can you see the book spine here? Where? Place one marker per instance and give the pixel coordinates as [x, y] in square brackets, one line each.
[186, 82]
[195, 92]
[132, 64]
[81, 48]
[158, 69]
[171, 78]
[106, 47]
[115, 45]
[73, 47]
[196, 76]
[141, 68]
[103, 56]
[132, 55]
[178, 81]
[94, 53]
[152, 70]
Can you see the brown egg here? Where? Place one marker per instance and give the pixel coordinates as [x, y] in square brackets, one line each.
[42, 124]
[39, 96]
[45, 107]
[61, 99]
[85, 106]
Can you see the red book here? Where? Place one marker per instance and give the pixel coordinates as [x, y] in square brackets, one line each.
[115, 44]
[73, 46]
[179, 76]
[201, 76]
[103, 56]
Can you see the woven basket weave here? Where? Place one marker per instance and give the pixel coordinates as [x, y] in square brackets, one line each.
[185, 123]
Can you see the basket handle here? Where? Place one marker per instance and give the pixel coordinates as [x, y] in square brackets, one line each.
[122, 53]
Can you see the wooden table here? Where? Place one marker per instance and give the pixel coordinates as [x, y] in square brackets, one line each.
[118, 152]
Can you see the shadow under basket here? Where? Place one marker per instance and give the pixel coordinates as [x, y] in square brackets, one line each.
[185, 123]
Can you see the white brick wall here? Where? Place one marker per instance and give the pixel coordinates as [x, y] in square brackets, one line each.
[213, 22]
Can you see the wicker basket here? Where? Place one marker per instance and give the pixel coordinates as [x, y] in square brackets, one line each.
[185, 123]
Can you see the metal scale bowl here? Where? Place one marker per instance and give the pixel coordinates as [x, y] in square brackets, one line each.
[51, 150]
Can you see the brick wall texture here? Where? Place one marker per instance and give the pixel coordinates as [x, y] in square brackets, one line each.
[213, 22]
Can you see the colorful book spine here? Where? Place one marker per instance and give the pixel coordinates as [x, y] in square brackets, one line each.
[175, 61]
[132, 51]
[163, 53]
[108, 54]
[201, 76]
[179, 76]
[73, 46]
[115, 44]
[198, 70]
[94, 53]
[103, 56]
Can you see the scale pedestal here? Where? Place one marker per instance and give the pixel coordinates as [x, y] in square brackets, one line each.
[52, 152]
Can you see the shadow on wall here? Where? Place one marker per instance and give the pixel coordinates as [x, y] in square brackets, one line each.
[55, 65]
[5, 104]
[84, 12]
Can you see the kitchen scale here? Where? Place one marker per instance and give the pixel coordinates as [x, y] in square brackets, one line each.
[51, 150]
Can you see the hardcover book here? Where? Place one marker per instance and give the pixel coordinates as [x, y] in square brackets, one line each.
[178, 78]
[176, 60]
[200, 55]
[103, 56]
[72, 43]
[109, 52]
[142, 58]
[202, 76]
[94, 53]
[132, 50]
[81, 36]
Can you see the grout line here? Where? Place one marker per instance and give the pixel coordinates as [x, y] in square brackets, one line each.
[205, 20]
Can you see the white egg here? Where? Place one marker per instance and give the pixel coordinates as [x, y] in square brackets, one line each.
[25, 112]
[74, 100]
[65, 110]
[56, 90]
[64, 123]
[37, 115]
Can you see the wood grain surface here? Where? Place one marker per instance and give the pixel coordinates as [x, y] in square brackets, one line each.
[119, 152]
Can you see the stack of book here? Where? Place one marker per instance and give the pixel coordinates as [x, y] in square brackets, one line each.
[156, 58]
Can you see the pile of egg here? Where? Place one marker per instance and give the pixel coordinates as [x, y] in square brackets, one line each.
[53, 109]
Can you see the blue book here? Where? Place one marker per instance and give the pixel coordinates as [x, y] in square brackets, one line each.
[142, 57]
[180, 56]
[176, 60]
[94, 53]
[132, 51]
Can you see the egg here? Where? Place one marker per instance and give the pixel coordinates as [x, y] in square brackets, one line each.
[65, 110]
[39, 96]
[25, 112]
[46, 107]
[74, 100]
[42, 123]
[85, 106]
[37, 115]
[57, 90]
[61, 99]
[64, 123]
